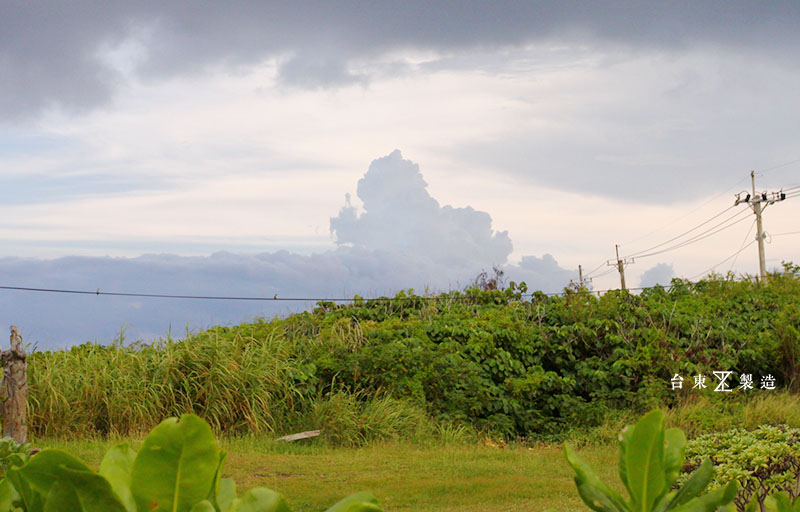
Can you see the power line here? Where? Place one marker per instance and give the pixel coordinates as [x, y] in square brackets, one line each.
[682, 234]
[612, 269]
[700, 236]
[300, 299]
[598, 267]
[673, 221]
[160, 295]
[779, 166]
[723, 261]
[744, 241]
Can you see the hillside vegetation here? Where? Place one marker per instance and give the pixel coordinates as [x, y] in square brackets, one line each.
[505, 362]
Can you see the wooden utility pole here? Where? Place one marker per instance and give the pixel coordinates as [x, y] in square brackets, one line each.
[758, 202]
[620, 264]
[15, 378]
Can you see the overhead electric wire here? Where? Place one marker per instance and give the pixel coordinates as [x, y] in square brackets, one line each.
[743, 242]
[778, 166]
[598, 267]
[700, 236]
[610, 270]
[682, 234]
[723, 261]
[161, 295]
[673, 221]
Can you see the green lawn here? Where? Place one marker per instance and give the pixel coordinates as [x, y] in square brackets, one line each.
[404, 477]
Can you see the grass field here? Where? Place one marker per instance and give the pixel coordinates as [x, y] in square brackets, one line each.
[405, 477]
[440, 474]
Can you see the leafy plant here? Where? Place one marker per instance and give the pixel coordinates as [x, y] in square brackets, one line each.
[649, 466]
[12, 453]
[177, 469]
[764, 461]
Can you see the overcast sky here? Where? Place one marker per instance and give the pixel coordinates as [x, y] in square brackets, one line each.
[327, 148]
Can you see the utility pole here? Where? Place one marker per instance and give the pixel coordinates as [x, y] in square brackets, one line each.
[762, 263]
[620, 264]
[583, 282]
[755, 201]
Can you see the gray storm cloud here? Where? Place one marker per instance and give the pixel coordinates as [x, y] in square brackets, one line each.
[54, 53]
[403, 239]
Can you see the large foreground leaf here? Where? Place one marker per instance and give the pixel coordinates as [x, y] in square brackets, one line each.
[116, 467]
[644, 461]
[176, 466]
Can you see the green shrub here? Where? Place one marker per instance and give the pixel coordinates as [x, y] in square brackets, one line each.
[764, 461]
[500, 362]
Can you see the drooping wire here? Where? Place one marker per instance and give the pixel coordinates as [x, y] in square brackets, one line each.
[700, 236]
[681, 217]
[778, 166]
[742, 246]
[723, 261]
[598, 267]
[633, 255]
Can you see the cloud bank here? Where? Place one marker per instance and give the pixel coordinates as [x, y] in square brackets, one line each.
[75, 55]
[660, 274]
[402, 239]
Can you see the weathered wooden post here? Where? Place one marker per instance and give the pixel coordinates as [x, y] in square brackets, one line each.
[15, 378]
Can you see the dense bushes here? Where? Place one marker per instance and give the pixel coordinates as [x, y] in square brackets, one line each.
[501, 361]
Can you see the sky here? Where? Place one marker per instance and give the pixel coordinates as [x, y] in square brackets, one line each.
[326, 149]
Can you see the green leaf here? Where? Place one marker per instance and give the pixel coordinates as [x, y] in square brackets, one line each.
[624, 439]
[47, 467]
[32, 501]
[226, 493]
[259, 499]
[644, 451]
[80, 490]
[116, 468]
[781, 502]
[584, 475]
[62, 497]
[596, 499]
[203, 506]
[695, 485]
[674, 449]
[7, 495]
[176, 465]
[358, 502]
[711, 501]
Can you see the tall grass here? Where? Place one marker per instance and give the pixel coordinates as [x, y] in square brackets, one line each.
[236, 383]
[241, 383]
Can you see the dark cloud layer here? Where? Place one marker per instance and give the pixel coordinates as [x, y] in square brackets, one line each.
[402, 239]
[50, 51]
